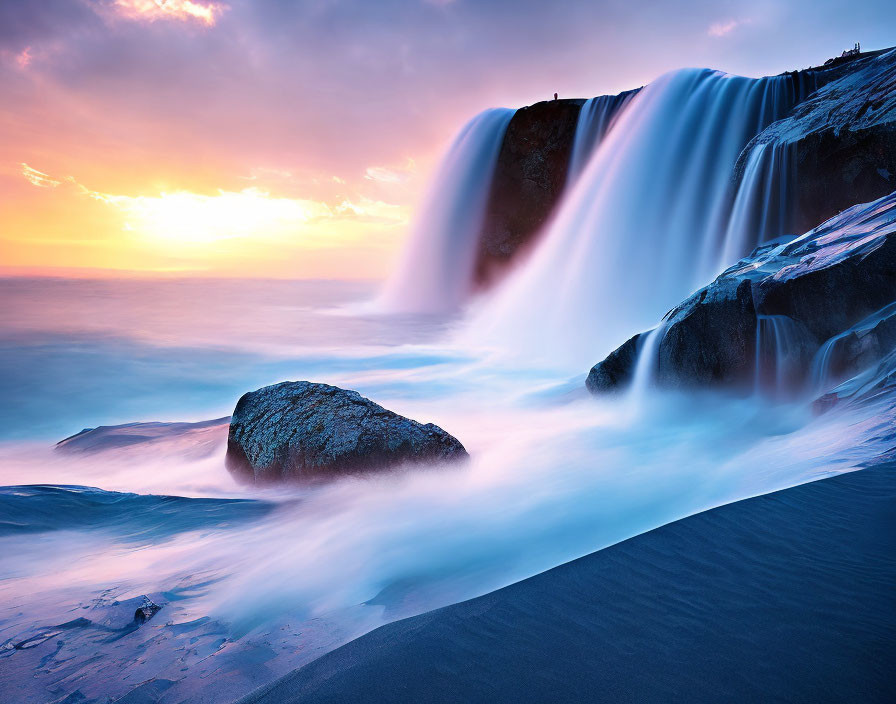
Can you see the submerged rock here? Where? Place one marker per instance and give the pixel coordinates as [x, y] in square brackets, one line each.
[146, 611]
[763, 320]
[206, 435]
[301, 431]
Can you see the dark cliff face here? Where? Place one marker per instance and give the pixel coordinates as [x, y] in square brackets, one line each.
[529, 178]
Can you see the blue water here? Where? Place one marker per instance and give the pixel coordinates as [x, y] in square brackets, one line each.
[254, 582]
[39, 508]
[82, 353]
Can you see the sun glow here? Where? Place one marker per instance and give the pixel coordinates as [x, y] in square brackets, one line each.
[188, 217]
[152, 10]
[251, 231]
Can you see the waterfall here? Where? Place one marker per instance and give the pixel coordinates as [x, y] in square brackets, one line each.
[761, 209]
[645, 224]
[647, 365]
[436, 271]
[597, 116]
[778, 356]
[823, 372]
[820, 371]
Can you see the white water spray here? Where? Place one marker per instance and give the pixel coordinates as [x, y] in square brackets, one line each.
[436, 271]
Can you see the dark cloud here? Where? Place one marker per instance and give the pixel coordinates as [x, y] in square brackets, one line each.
[24, 22]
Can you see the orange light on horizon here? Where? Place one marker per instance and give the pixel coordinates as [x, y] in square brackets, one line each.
[229, 232]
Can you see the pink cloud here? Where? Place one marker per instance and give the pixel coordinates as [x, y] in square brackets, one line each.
[23, 58]
[721, 29]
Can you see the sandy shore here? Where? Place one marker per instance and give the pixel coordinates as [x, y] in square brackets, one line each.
[789, 596]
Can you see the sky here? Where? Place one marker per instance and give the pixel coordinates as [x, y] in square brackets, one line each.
[265, 138]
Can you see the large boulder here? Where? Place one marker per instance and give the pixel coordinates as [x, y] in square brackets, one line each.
[767, 318]
[842, 139]
[302, 431]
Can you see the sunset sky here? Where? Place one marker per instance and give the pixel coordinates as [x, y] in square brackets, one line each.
[293, 139]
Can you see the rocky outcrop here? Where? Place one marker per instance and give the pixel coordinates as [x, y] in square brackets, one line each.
[529, 177]
[766, 318]
[302, 431]
[876, 383]
[842, 139]
[617, 370]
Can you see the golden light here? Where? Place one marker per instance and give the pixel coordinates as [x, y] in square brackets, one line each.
[247, 232]
[38, 178]
[192, 218]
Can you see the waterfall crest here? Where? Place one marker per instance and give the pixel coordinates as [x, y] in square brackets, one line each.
[436, 270]
[597, 116]
[648, 220]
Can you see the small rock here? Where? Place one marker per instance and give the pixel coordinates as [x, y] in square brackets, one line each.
[146, 611]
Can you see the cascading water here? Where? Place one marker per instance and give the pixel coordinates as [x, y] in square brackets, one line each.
[820, 372]
[597, 116]
[631, 238]
[823, 371]
[760, 211]
[436, 272]
[778, 356]
[648, 363]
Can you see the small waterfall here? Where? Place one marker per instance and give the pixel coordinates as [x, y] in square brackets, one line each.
[436, 271]
[647, 221]
[761, 209]
[823, 372]
[597, 116]
[647, 366]
[778, 356]
[820, 371]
